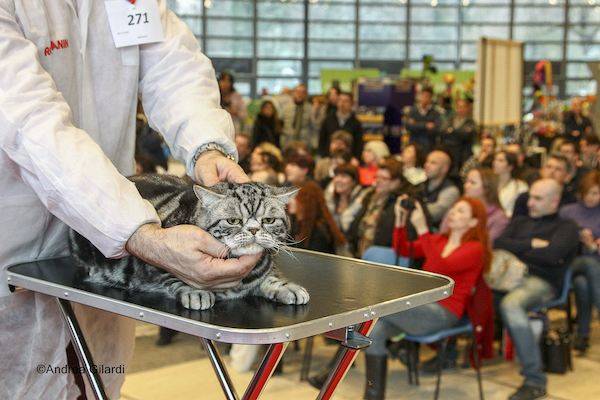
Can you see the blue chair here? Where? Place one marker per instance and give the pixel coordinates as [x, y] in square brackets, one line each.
[464, 327]
[381, 254]
[563, 301]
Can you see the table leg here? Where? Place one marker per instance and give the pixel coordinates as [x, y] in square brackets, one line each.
[265, 370]
[83, 353]
[343, 363]
[220, 370]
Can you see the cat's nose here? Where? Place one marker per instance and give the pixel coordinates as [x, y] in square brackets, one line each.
[253, 230]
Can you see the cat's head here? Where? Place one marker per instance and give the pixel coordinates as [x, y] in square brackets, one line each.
[247, 217]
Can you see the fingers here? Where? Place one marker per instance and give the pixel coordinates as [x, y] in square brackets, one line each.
[211, 246]
[208, 175]
[233, 173]
[232, 269]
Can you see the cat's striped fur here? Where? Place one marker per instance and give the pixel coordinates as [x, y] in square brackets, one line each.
[247, 218]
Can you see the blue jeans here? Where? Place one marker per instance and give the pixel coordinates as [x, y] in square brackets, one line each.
[586, 283]
[422, 320]
[514, 307]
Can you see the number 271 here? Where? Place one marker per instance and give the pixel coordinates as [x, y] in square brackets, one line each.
[133, 21]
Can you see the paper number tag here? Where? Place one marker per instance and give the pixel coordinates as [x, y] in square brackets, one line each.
[133, 24]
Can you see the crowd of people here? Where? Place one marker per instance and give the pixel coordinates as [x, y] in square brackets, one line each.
[440, 205]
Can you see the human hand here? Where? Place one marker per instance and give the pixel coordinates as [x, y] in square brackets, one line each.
[191, 254]
[213, 167]
[400, 212]
[539, 243]
[417, 218]
[430, 125]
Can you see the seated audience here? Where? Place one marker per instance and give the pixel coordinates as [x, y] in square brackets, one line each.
[524, 172]
[463, 254]
[586, 267]
[546, 243]
[482, 184]
[266, 165]
[344, 196]
[458, 134]
[344, 119]
[244, 149]
[484, 158]
[588, 148]
[424, 120]
[413, 158]
[389, 183]
[267, 125]
[340, 141]
[298, 169]
[373, 153]
[557, 168]
[313, 227]
[438, 193]
[509, 188]
[576, 124]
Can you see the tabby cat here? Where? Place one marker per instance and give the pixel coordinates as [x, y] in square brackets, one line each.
[248, 218]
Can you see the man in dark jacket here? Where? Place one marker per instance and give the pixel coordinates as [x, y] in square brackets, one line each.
[423, 120]
[345, 119]
[546, 243]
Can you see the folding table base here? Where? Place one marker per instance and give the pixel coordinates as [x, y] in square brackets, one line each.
[351, 345]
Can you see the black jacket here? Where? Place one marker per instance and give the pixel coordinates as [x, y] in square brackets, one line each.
[548, 263]
[416, 126]
[266, 130]
[458, 141]
[331, 124]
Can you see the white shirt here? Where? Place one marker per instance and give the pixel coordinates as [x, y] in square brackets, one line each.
[508, 195]
[67, 131]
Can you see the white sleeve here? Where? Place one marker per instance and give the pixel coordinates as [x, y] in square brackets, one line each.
[67, 170]
[180, 93]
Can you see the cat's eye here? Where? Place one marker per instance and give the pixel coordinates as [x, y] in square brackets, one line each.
[234, 221]
[268, 220]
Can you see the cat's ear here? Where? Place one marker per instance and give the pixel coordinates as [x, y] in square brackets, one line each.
[285, 194]
[207, 196]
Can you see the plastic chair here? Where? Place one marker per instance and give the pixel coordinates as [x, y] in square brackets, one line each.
[562, 301]
[381, 254]
[464, 327]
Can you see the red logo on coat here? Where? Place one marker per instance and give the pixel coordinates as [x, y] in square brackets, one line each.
[56, 45]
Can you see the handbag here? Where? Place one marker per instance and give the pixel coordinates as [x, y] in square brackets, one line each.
[506, 271]
[556, 352]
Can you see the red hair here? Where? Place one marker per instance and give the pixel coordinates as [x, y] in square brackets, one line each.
[479, 232]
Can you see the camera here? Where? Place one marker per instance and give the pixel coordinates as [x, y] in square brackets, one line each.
[408, 204]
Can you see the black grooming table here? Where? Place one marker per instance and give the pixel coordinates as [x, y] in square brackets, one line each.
[344, 292]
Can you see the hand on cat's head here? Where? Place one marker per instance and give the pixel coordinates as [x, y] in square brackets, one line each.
[213, 167]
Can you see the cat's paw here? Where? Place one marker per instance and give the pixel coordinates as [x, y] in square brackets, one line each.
[196, 299]
[289, 293]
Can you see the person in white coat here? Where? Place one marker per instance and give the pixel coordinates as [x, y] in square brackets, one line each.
[67, 129]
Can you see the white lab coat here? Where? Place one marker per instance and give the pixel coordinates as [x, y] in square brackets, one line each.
[67, 123]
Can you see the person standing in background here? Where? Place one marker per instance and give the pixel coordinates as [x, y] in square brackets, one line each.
[576, 124]
[459, 133]
[423, 120]
[344, 119]
[267, 125]
[232, 101]
[296, 118]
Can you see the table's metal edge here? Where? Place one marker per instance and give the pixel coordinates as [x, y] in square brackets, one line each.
[237, 335]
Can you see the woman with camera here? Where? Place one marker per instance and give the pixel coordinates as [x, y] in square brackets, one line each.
[462, 254]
